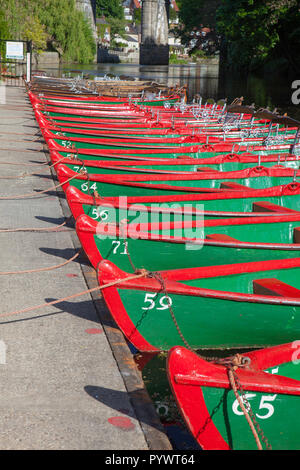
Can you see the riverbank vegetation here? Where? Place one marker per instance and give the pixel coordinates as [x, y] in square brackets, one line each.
[52, 25]
[253, 35]
[113, 12]
[261, 34]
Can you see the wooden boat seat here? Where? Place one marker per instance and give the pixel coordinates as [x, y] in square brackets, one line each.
[297, 235]
[232, 185]
[222, 237]
[274, 287]
[206, 168]
[265, 206]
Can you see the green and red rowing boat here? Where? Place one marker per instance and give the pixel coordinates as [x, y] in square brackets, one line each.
[186, 243]
[241, 305]
[92, 151]
[277, 200]
[123, 165]
[101, 100]
[183, 135]
[113, 139]
[268, 388]
[159, 184]
[164, 145]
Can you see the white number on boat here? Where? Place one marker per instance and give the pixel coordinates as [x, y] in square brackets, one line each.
[264, 405]
[164, 302]
[85, 186]
[117, 244]
[96, 214]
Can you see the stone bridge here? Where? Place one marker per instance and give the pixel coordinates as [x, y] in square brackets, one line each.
[154, 49]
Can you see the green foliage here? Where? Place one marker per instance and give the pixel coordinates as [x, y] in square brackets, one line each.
[118, 44]
[193, 16]
[117, 26]
[137, 15]
[101, 28]
[174, 59]
[3, 26]
[3, 32]
[53, 24]
[68, 31]
[172, 14]
[257, 31]
[190, 17]
[109, 8]
[35, 32]
[198, 54]
[114, 15]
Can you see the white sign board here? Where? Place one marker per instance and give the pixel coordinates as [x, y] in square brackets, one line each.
[14, 50]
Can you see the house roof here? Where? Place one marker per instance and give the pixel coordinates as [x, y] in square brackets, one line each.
[174, 5]
[131, 39]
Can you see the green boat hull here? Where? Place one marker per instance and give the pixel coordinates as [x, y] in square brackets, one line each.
[275, 413]
[226, 166]
[267, 385]
[166, 150]
[119, 144]
[106, 189]
[114, 215]
[69, 134]
[155, 255]
[212, 323]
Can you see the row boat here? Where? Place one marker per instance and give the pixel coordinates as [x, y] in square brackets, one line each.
[159, 184]
[94, 151]
[270, 382]
[187, 243]
[124, 165]
[245, 203]
[92, 136]
[241, 305]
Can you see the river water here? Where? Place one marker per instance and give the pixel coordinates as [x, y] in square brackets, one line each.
[272, 92]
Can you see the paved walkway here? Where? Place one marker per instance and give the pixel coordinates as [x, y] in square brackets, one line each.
[68, 380]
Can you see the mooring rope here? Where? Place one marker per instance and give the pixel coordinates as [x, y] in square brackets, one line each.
[38, 193]
[41, 150]
[88, 291]
[57, 228]
[38, 270]
[23, 175]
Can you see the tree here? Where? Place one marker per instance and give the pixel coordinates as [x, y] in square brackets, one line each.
[256, 31]
[4, 34]
[137, 15]
[68, 31]
[114, 14]
[193, 16]
[53, 24]
[109, 8]
[35, 32]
